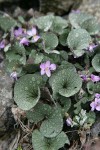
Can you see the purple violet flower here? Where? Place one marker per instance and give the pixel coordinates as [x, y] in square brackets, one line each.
[97, 95]
[18, 32]
[2, 44]
[24, 41]
[35, 38]
[69, 121]
[91, 47]
[84, 77]
[46, 68]
[95, 104]
[95, 78]
[14, 75]
[76, 11]
[33, 33]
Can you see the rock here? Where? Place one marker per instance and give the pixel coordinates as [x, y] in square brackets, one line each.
[92, 7]
[93, 144]
[6, 143]
[18, 12]
[58, 7]
[6, 117]
[4, 0]
[95, 130]
[7, 0]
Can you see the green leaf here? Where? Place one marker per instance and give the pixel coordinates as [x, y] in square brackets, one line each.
[82, 100]
[55, 58]
[17, 48]
[27, 91]
[78, 52]
[21, 50]
[67, 65]
[96, 62]
[63, 37]
[39, 112]
[65, 104]
[6, 22]
[91, 26]
[39, 142]
[13, 65]
[64, 55]
[78, 39]
[7, 47]
[12, 56]
[32, 54]
[77, 19]
[21, 19]
[58, 25]
[65, 82]
[50, 41]
[23, 59]
[91, 117]
[46, 58]
[31, 68]
[38, 58]
[52, 125]
[64, 65]
[90, 87]
[19, 148]
[44, 22]
[93, 87]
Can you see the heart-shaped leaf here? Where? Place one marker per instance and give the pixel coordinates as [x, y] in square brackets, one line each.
[96, 62]
[52, 125]
[19, 51]
[65, 82]
[6, 22]
[64, 55]
[67, 65]
[77, 19]
[55, 58]
[58, 25]
[39, 112]
[44, 22]
[65, 104]
[91, 117]
[17, 48]
[50, 41]
[27, 91]
[78, 39]
[39, 142]
[13, 65]
[37, 57]
[93, 87]
[63, 37]
[12, 56]
[91, 25]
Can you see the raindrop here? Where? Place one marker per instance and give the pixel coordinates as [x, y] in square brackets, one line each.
[26, 88]
[33, 79]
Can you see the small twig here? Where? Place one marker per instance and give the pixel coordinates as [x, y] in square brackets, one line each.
[72, 131]
[25, 129]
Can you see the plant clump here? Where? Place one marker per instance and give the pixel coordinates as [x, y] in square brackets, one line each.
[55, 64]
